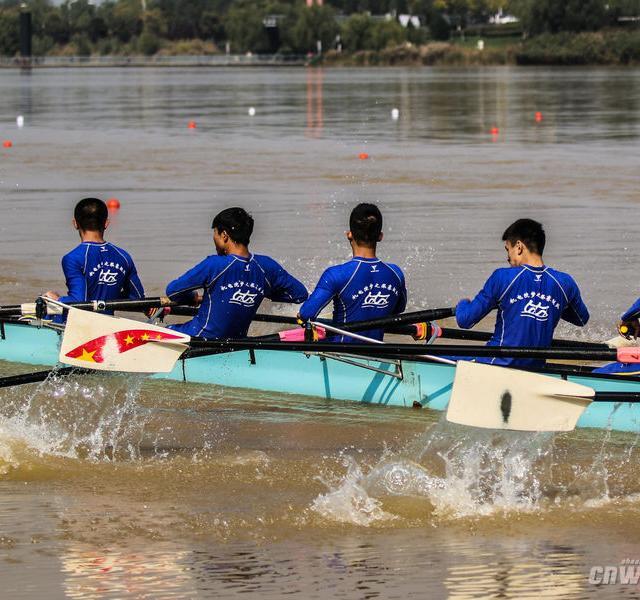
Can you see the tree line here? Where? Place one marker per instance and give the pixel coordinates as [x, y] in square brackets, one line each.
[284, 26]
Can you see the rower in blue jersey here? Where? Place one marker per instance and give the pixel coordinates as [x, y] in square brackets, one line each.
[363, 288]
[97, 269]
[628, 327]
[529, 296]
[234, 282]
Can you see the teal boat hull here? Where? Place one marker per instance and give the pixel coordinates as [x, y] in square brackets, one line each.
[401, 383]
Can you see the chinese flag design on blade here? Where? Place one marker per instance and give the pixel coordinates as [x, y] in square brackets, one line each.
[119, 342]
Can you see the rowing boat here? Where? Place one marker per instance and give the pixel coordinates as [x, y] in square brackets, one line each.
[418, 382]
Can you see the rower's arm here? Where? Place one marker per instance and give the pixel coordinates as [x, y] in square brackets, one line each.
[75, 279]
[633, 312]
[401, 304]
[319, 298]
[183, 288]
[285, 287]
[576, 311]
[470, 312]
[132, 288]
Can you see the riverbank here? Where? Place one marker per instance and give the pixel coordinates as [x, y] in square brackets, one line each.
[614, 47]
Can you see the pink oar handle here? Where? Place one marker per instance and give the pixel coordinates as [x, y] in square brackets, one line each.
[297, 335]
[629, 355]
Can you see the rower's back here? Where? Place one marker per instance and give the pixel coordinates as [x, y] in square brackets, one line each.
[529, 296]
[234, 282]
[363, 288]
[100, 271]
[97, 269]
[530, 302]
[233, 287]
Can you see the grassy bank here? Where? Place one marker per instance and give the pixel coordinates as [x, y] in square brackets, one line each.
[613, 47]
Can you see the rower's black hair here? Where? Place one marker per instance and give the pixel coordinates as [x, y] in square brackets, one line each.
[91, 214]
[237, 222]
[529, 232]
[365, 224]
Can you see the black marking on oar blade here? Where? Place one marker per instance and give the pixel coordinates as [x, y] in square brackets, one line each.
[505, 406]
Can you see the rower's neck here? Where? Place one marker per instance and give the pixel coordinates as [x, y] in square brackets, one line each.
[92, 236]
[363, 251]
[239, 250]
[533, 260]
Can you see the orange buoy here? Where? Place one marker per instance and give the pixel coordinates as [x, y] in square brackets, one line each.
[113, 204]
[538, 116]
[191, 125]
[363, 156]
[7, 143]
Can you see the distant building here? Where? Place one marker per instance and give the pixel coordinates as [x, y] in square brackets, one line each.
[501, 18]
[405, 20]
[310, 3]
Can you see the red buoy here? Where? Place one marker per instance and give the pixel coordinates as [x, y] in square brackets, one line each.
[494, 131]
[191, 125]
[538, 117]
[363, 156]
[113, 204]
[7, 143]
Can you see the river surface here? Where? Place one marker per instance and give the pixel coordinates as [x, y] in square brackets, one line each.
[117, 487]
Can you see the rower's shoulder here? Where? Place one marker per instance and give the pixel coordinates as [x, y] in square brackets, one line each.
[266, 262]
[560, 276]
[395, 268]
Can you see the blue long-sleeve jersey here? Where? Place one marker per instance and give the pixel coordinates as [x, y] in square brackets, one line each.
[633, 312]
[100, 271]
[234, 287]
[530, 302]
[361, 289]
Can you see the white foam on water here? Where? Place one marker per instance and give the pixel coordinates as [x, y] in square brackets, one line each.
[95, 418]
[349, 502]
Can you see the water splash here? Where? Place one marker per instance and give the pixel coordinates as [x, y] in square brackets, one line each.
[456, 472]
[95, 418]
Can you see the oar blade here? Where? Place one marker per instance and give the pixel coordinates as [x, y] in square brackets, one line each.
[493, 397]
[105, 343]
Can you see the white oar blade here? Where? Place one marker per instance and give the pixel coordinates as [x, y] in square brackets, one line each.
[106, 343]
[494, 397]
[621, 342]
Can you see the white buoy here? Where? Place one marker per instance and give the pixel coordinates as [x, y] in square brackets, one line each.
[20, 121]
[395, 114]
[252, 111]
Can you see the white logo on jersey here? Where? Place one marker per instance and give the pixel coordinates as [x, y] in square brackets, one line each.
[539, 277]
[378, 300]
[248, 267]
[374, 268]
[536, 311]
[108, 277]
[244, 298]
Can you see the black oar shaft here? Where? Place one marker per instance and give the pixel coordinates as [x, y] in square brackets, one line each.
[103, 305]
[34, 377]
[617, 397]
[413, 349]
[484, 336]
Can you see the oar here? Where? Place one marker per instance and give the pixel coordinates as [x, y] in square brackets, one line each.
[597, 353]
[37, 376]
[484, 336]
[387, 323]
[94, 305]
[493, 397]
